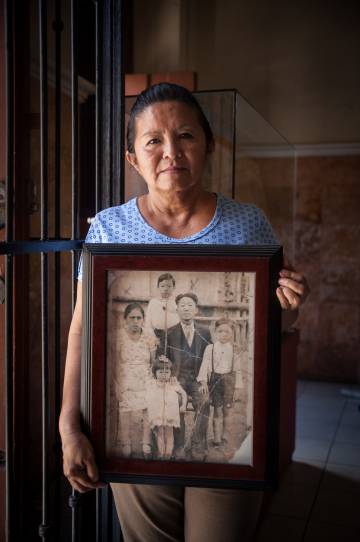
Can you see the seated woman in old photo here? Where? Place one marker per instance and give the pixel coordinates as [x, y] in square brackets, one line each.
[165, 400]
[134, 351]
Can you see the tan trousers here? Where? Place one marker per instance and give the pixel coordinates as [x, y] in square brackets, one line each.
[177, 514]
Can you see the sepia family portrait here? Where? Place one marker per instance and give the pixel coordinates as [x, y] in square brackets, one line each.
[180, 365]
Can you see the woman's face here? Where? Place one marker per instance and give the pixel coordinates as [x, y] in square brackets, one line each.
[134, 321]
[170, 147]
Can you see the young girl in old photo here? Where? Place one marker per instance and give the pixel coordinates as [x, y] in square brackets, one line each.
[165, 400]
[217, 376]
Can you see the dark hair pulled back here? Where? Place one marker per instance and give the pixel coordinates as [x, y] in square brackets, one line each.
[166, 92]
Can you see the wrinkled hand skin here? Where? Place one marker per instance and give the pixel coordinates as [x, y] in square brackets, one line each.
[293, 288]
[79, 463]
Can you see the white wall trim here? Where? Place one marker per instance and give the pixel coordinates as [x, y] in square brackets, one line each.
[289, 151]
[328, 149]
[265, 151]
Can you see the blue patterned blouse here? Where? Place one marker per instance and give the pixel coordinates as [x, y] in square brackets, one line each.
[233, 223]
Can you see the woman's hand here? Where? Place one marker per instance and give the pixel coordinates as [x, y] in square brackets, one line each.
[79, 462]
[293, 288]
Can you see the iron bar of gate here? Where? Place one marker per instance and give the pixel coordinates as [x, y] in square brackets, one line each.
[118, 104]
[58, 28]
[9, 392]
[98, 172]
[109, 102]
[44, 528]
[110, 110]
[9, 398]
[99, 503]
[107, 524]
[110, 115]
[98, 103]
[74, 135]
[45, 525]
[43, 118]
[74, 498]
[106, 96]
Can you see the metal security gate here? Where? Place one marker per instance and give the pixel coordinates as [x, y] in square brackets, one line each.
[64, 72]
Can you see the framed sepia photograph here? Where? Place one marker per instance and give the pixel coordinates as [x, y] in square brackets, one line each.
[181, 363]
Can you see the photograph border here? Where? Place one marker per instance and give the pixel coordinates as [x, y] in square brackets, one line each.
[266, 262]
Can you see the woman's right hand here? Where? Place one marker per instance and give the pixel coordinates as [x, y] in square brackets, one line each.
[79, 462]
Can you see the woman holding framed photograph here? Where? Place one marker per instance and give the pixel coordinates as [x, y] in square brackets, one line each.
[169, 141]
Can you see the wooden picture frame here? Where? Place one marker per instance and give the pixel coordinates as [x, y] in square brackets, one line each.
[181, 363]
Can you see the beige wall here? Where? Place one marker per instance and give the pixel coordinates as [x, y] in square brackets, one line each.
[327, 249]
[295, 63]
[269, 183]
[157, 28]
[317, 221]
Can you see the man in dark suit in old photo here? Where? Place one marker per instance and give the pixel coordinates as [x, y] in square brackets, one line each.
[185, 345]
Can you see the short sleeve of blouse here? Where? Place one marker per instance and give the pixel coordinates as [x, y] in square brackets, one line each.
[236, 223]
[93, 236]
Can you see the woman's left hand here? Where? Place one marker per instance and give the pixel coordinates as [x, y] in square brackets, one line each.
[293, 288]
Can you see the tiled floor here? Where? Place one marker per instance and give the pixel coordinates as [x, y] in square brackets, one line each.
[319, 495]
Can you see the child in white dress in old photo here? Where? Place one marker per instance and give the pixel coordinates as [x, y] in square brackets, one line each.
[165, 400]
